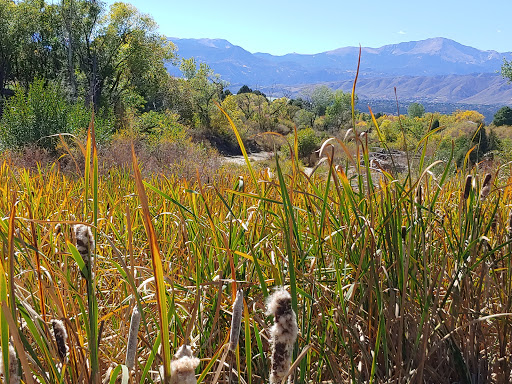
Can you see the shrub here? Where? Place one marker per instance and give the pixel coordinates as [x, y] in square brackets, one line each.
[503, 117]
[33, 116]
[308, 141]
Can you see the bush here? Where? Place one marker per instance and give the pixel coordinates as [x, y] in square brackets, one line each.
[308, 141]
[503, 117]
[44, 111]
[32, 117]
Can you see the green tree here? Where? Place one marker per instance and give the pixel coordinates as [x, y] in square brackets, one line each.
[244, 89]
[415, 110]
[339, 113]
[503, 116]
[204, 86]
[506, 70]
[8, 11]
[321, 98]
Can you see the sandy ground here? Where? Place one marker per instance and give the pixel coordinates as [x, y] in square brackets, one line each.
[259, 156]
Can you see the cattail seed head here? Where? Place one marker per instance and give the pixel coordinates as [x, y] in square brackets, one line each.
[494, 223]
[404, 232]
[236, 320]
[131, 348]
[61, 337]
[283, 333]
[183, 366]
[486, 187]
[84, 241]
[510, 225]
[14, 378]
[467, 187]
[418, 198]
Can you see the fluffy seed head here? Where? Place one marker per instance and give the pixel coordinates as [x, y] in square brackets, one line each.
[236, 320]
[283, 333]
[467, 187]
[131, 348]
[183, 366]
[486, 187]
[84, 241]
[61, 337]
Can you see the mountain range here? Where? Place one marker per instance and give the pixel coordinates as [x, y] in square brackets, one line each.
[435, 70]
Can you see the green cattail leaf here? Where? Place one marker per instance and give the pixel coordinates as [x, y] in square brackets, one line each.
[78, 259]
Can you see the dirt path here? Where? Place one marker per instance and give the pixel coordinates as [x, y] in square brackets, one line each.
[258, 156]
[255, 157]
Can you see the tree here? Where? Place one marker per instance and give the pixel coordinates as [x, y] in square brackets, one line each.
[244, 89]
[415, 110]
[321, 98]
[205, 86]
[503, 116]
[339, 112]
[506, 70]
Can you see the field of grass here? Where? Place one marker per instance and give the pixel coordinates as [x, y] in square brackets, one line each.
[393, 279]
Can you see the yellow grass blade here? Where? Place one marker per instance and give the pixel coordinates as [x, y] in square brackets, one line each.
[157, 268]
[242, 148]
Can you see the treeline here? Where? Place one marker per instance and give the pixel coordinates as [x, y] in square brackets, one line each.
[61, 61]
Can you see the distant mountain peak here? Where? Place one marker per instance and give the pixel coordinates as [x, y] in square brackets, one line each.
[438, 57]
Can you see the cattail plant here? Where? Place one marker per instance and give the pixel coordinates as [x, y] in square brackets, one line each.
[236, 320]
[467, 186]
[61, 338]
[84, 242]
[283, 333]
[486, 187]
[131, 348]
[419, 198]
[509, 229]
[14, 377]
[183, 366]
[404, 232]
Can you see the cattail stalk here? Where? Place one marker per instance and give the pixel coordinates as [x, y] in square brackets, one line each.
[131, 348]
[283, 334]
[183, 366]
[236, 320]
[14, 378]
[61, 337]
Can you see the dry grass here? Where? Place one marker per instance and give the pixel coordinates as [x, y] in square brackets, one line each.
[386, 287]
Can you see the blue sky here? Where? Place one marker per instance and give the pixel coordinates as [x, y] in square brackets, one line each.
[313, 26]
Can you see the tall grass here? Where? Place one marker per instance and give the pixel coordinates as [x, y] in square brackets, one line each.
[388, 284]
